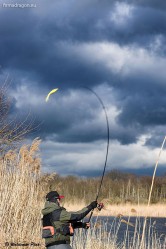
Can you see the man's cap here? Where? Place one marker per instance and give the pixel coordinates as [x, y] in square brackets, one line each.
[53, 194]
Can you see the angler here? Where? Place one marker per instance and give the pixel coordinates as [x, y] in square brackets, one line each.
[59, 224]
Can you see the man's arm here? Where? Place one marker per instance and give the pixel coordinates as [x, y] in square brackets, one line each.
[80, 225]
[76, 216]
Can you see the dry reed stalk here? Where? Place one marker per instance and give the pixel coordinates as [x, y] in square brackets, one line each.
[150, 193]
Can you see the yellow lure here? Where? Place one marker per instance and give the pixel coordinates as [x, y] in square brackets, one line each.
[51, 92]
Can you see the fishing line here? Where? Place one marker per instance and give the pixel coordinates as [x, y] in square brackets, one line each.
[106, 156]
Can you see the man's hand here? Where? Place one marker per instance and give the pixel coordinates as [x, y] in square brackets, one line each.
[93, 204]
[100, 206]
[86, 225]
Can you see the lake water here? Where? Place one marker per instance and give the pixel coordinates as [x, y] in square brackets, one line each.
[128, 230]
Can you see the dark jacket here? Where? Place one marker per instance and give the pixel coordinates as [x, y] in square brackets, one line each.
[59, 218]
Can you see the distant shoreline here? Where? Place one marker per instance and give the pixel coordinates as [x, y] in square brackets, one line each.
[154, 210]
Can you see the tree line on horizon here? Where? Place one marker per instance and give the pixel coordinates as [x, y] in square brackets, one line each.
[118, 187]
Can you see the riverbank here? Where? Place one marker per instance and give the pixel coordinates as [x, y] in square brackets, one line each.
[155, 210]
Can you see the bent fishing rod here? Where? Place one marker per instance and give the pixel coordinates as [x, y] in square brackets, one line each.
[106, 156]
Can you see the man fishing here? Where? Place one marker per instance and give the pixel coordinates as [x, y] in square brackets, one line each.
[59, 224]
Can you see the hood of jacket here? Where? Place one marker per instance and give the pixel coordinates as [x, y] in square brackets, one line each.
[49, 207]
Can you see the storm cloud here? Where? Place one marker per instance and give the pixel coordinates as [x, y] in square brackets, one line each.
[117, 48]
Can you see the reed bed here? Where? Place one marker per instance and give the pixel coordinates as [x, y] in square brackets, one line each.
[20, 193]
[154, 210]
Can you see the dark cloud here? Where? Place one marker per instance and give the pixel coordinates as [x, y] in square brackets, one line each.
[148, 171]
[144, 103]
[156, 4]
[115, 45]
[157, 136]
[32, 44]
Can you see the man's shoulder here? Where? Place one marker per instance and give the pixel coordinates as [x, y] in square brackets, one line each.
[59, 210]
[60, 214]
[63, 208]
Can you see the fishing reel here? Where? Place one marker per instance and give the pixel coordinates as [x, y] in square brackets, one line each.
[100, 206]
